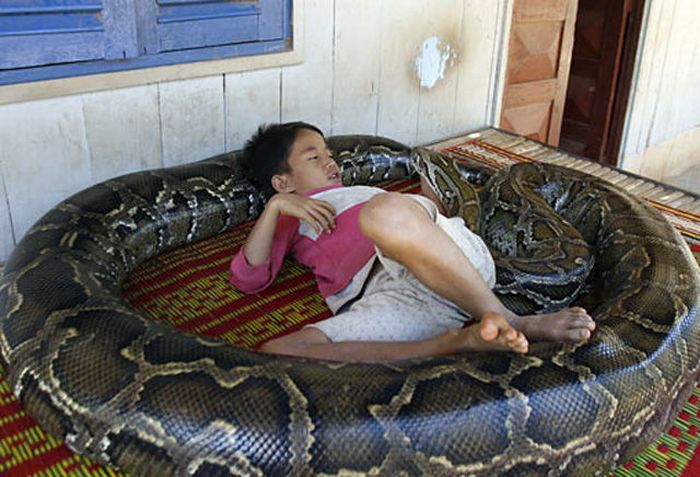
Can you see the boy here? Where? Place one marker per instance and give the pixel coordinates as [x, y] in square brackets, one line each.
[400, 277]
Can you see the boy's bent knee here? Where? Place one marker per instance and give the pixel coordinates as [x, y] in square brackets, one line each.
[390, 212]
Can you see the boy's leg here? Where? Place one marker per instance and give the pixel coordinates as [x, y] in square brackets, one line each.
[405, 232]
[493, 333]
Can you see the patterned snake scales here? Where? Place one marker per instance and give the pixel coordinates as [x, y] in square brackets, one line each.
[143, 397]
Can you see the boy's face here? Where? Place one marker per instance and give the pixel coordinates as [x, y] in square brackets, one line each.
[311, 165]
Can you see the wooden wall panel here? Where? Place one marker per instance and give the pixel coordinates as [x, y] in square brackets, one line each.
[7, 239]
[648, 73]
[478, 64]
[679, 84]
[123, 131]
[357, 54]
[252, 98]
[661, 131]
[437, 104]
[397, 116]
[192, 119]
[44, 155]
[307, 88]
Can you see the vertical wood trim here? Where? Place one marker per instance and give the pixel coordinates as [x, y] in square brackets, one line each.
[499, 62]
[505, 73]
[623, 88]
[610, 82]
[563, 73]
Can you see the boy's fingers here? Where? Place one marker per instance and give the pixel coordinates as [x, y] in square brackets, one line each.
[318, 221]
[325, 205]
[326, 216]
[315, 224]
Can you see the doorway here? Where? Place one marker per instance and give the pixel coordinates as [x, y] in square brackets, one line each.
[602, 63]
[568, 73]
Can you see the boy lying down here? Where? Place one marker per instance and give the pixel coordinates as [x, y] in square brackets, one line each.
[399, 276]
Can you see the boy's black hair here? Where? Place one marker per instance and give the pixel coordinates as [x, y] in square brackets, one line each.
[266, 153]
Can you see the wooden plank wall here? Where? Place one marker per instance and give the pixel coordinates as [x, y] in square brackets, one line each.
[665, 97]
[358, 76]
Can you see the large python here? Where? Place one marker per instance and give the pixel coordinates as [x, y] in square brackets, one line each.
[141, 396]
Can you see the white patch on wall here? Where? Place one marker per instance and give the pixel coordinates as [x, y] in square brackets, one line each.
[432, 61]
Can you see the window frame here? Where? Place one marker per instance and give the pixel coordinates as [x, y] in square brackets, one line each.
[147, 73]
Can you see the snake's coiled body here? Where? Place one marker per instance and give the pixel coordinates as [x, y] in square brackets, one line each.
[143, 397]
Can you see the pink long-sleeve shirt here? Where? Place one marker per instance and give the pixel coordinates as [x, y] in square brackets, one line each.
[340, 259]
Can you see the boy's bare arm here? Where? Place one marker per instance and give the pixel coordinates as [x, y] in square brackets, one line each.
[319, 214]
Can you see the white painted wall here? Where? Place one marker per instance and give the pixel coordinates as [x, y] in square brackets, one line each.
[358, 76]
[661, 135]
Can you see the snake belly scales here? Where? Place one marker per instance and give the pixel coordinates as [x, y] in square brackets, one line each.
[140, 396]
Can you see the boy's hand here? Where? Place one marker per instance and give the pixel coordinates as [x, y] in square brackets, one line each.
[318, 214]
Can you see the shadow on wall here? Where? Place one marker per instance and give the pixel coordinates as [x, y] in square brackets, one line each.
[688, 179]
[675, 162]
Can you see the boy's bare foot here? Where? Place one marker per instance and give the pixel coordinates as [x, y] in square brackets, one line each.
[568, 325]
[492, 333]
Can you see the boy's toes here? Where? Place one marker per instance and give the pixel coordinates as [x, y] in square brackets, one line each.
[579, 334]
[496, 329]
[519, 344]
[510, 335]
[489, 328]
[581, 322]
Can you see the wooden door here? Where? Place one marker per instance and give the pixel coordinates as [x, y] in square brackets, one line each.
[539, 56]
[604, 39]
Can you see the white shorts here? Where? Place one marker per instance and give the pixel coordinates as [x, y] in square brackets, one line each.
[395, 306]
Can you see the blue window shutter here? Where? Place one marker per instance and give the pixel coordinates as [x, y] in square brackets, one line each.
[48, 39]
[176, 25]
[273, 19]
[42, 32]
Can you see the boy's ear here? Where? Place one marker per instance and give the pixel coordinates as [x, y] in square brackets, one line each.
[282, 183]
